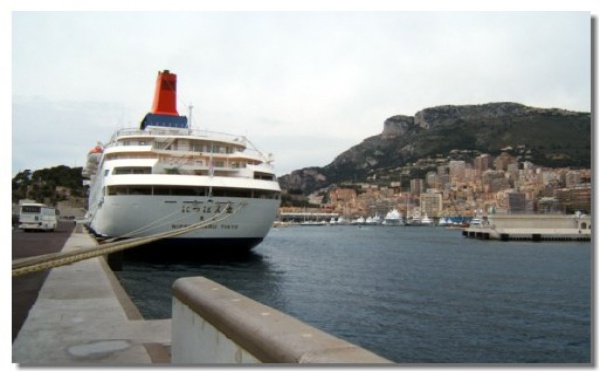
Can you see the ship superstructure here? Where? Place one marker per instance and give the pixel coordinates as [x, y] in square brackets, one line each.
[165, 175]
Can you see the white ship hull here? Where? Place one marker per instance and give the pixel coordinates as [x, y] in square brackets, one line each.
[132, 216]
[122, 216]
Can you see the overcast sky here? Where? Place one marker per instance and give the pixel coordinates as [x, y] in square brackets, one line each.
[304, 86]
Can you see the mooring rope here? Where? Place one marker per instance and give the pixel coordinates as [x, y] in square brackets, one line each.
[48, 261]
[149, 226]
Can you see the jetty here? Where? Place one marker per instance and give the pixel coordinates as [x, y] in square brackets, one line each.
[83, 317]
[532, 227]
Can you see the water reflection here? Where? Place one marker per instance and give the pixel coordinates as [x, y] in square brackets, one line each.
[149, 281]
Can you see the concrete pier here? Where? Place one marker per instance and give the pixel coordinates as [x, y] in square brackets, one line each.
[82, 316]
[535, 235]
[533, 227]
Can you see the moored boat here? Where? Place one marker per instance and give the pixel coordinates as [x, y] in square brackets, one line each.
[166, 175]
[414, 219]
[444, 221]
[358, 221]
[426, 221]
[373, 220]
[393, 218]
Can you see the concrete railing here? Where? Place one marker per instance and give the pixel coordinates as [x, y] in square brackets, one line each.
[212, 324]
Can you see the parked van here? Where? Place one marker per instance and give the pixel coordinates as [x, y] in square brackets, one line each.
[36, 216]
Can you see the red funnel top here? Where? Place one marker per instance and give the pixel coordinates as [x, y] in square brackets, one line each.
[165, 94]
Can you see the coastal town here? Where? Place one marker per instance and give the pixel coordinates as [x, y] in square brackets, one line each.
[503, 184]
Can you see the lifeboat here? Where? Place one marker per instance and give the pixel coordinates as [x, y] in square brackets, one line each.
[93, 158]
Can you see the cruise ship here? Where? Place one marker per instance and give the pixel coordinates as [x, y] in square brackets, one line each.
[165, 175]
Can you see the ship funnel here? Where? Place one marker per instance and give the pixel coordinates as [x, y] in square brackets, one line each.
[164, 108]
[165, 94]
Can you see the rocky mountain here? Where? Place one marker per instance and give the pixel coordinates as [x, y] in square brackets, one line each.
[545, 136]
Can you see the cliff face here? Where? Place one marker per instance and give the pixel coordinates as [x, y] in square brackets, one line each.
[442, 115]
[554, 137]
[397, 126]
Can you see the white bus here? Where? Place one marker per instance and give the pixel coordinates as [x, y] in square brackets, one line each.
[36, 216]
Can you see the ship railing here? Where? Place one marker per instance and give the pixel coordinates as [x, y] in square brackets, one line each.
[154, 131]
[249, 147]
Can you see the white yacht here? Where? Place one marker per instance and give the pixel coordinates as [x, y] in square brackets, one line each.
[165, 175]
[393, 218]
[373, 220]
[426, 221]
[478, 220]
[414, 219]
[359, 221]
[444, 221]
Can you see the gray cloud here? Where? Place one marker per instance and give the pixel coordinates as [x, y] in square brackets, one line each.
[294, 80]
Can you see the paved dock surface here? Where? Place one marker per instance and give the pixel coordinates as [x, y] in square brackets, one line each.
[25, 289]
[81, 315]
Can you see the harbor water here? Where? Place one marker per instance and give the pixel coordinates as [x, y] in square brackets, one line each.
[409, 294]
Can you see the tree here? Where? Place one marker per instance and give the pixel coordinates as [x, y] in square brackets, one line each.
[20, 185]
[41, 184]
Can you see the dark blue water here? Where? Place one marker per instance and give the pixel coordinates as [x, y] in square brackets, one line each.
[410, 294]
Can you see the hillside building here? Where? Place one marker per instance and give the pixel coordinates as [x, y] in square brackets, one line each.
[575, 199]
[416, 186]
[457, 170]
[431, 203]
[516, 202]
[572, 178]
[502, 161]
[342, 198]
[482, 163]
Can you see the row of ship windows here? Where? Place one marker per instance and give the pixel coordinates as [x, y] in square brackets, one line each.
[148, 170]
[132, 170]
[185, 147]
[192, 191]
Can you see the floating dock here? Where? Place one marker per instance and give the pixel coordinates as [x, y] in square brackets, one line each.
[527, 234]
[532, 227]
